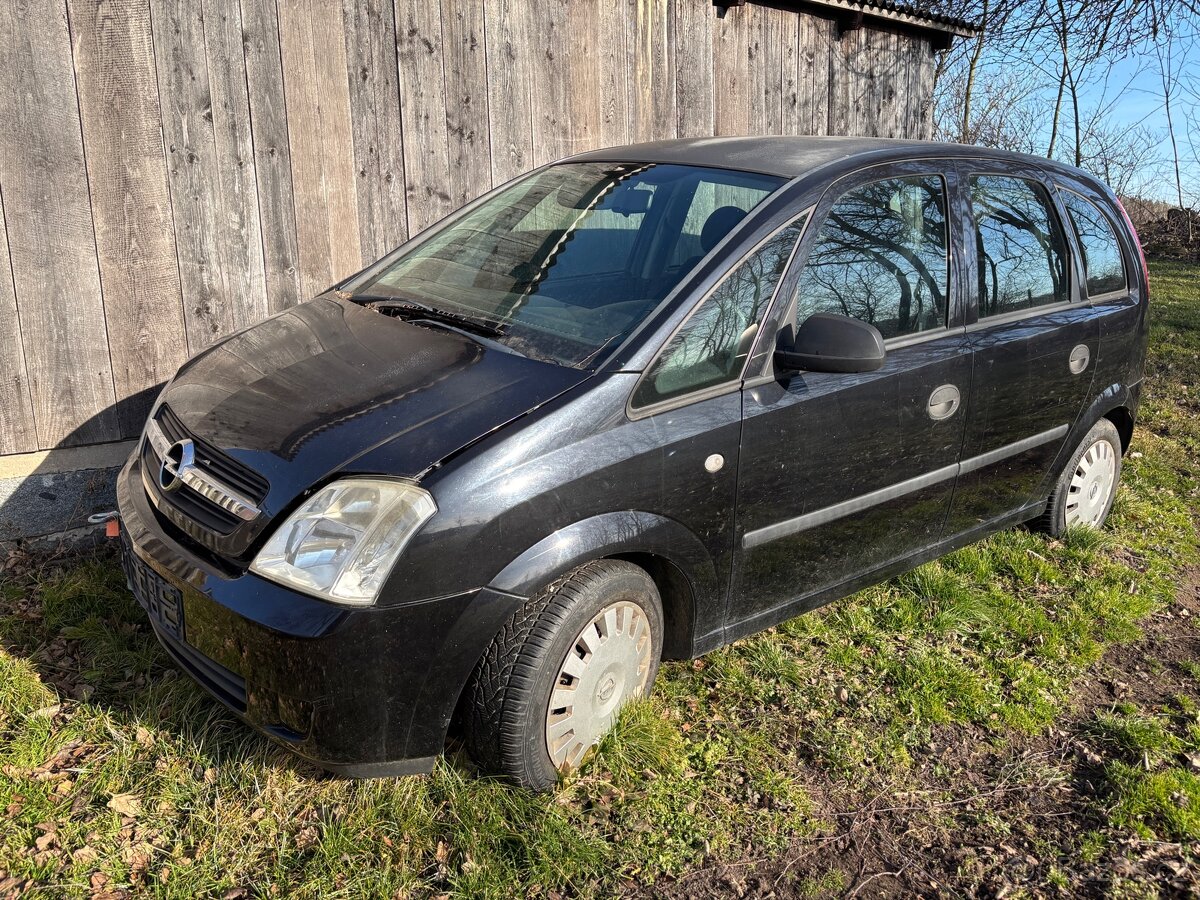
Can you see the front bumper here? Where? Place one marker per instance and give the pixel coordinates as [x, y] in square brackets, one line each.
[359, 692]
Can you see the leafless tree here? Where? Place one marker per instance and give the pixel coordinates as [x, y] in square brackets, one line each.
[1006, 111]
[880, 257]
[1170, 78]
[1125, 158]
[1029, 81]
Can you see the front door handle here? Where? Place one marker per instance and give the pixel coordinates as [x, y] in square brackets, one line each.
[943, 402]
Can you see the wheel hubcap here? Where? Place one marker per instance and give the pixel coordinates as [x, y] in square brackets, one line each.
[1092, 484]
[608, 663]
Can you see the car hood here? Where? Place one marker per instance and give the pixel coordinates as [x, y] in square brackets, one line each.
[304, 394]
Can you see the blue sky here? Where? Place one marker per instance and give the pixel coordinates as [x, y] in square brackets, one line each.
[1141, 100]
[1133, 93]
[1129, 90]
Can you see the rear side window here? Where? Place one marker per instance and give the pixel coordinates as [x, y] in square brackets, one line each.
[712, 346]
[881, 257]
[1102, 263]
[1022, 254]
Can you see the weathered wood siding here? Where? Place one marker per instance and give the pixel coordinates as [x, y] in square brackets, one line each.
[172, 171]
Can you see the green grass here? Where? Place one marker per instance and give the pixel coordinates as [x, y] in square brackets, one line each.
[734, 751]
[1152, 767]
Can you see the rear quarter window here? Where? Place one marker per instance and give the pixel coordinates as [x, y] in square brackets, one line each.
[1103, 264]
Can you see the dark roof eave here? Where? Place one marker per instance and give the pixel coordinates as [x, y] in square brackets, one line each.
[883, 10]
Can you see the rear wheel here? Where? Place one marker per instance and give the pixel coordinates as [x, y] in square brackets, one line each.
[552, 682]
[1084, 492]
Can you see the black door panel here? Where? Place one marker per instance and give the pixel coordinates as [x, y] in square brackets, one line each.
[1107, 264]
[844, 473]
[1033, 341]
[1024, 398]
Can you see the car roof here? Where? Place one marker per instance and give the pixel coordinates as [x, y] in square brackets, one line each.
[790, 157]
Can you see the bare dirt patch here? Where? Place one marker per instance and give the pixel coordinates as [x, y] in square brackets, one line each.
[983, 818]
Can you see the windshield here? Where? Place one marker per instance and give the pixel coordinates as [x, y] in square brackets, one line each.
[566, 262]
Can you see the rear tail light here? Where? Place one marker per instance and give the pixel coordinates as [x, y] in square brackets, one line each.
[1138, 243]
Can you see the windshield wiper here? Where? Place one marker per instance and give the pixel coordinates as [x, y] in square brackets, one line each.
[412, 309]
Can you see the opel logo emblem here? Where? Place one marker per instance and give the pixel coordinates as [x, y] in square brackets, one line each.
[181, 456]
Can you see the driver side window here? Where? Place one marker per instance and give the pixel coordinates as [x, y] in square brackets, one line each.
[712, 346]
[881, 257]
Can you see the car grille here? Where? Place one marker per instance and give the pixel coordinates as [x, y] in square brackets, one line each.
[196, 507]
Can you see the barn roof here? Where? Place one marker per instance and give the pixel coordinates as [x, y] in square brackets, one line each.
[920, 15]
[923, 15]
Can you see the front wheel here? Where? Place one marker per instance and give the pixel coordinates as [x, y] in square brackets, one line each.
[1084, 492]
[552, 682]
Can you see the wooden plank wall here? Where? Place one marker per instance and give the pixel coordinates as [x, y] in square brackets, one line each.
[171, 170]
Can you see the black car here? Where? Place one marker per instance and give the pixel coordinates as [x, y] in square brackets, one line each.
[631, 406]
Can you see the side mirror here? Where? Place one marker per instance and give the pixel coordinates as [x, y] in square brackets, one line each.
[830, 343]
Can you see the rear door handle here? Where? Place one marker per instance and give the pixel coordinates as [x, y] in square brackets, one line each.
[943, 402]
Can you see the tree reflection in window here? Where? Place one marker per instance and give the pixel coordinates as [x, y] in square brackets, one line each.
[1102, 261]
[1022, 261]
[881, 257]
[713, 345]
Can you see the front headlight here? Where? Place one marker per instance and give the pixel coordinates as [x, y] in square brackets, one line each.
[341, 544]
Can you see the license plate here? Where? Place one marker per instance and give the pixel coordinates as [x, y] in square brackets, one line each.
[162, 601]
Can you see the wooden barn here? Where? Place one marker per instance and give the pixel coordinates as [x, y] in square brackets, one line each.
[172, 170]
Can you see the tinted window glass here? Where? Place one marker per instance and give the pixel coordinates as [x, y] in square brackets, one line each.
[881, 257]
[712, 346]
[1098, 241]
[1022, 256]
[568, 260]
[604, 239]
[714, 204]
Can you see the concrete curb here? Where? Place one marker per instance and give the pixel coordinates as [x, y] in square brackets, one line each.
[51, 493]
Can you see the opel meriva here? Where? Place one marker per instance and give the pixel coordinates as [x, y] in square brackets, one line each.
[628, 407]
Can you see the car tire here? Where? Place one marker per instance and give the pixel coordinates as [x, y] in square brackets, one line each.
[603, 622]
[1084, 491]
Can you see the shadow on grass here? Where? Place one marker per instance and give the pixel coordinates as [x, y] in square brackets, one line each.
[74, 622]
[124, 759]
